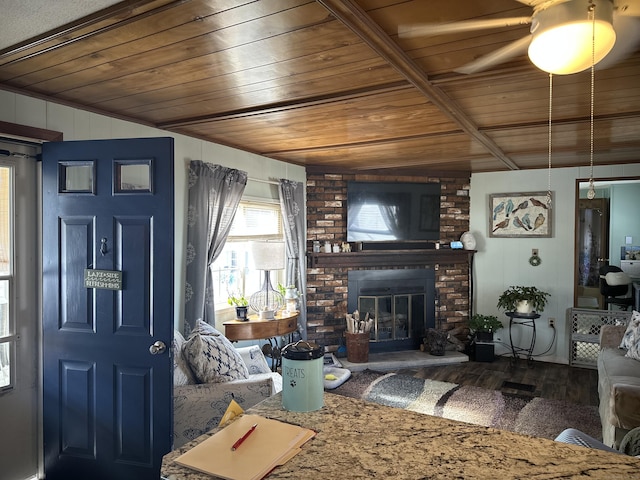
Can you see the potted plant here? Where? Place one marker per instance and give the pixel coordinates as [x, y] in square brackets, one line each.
[523, 300]
[241, 303]
[483, 326]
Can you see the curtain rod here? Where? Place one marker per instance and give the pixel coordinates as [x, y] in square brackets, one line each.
[270, 182]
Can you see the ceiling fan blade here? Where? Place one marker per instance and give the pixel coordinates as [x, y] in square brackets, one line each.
[541, 4]
[627, 41]
[496, 57]
[627, 8]
[429, 29]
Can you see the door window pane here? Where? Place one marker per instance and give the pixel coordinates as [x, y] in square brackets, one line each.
[133, 176]
[7, 338]
[77, 177]
[5, 365]
[5, 219]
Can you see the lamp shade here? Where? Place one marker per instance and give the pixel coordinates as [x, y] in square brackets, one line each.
[267, 255]
[562, 40]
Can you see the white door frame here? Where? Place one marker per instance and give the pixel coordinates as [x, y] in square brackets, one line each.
[20, 450]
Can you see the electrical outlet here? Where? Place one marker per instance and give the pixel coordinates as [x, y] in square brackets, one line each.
[552, 322]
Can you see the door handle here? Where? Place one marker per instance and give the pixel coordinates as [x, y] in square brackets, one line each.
[157, 348]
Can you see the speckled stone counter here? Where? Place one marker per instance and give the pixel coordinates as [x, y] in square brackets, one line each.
[359, 439]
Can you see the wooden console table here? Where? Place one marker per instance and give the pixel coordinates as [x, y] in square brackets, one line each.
[256, 329]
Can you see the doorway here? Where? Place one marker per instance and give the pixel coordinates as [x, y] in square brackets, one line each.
[604, 228]
[19, 301]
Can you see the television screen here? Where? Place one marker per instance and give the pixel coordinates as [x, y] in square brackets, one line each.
[393, 211]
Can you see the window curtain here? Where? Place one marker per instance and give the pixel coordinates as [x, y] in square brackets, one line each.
[293, 213]
[214, 195]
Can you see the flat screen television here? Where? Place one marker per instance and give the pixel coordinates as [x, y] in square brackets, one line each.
[393, 211]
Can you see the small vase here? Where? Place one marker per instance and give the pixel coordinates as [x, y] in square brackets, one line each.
[241, 313]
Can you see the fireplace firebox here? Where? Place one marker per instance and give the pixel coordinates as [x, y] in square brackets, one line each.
[401, 303]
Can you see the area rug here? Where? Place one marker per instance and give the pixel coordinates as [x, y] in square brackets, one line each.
[539, 417]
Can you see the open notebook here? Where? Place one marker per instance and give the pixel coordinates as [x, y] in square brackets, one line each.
[272, 443]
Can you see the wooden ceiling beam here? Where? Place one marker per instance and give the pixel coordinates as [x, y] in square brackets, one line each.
[106, 19]
[357, 20]
[287, 105]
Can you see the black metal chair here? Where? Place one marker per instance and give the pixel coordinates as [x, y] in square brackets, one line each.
[614, 294]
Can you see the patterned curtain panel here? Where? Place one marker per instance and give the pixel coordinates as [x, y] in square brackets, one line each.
[293, 212]
[214, 195]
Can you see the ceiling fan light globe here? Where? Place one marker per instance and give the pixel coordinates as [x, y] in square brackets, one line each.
[562, 36]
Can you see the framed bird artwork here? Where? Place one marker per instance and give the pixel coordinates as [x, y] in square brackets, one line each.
[520, 215]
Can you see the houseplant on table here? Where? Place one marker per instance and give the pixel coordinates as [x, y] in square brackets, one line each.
[241, 303]
[524, 300]
[483, 326]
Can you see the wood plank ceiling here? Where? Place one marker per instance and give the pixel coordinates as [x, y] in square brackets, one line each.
[328, 84]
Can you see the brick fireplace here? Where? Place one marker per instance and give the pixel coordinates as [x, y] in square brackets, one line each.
[328, 274]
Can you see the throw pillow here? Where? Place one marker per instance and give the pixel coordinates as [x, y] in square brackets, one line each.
[634, 349]
[182, 374]
[213, 359]
[254, 359]
[203, 328]
[632, 331]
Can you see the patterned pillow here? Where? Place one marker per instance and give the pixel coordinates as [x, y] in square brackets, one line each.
[634, 349]
[203, 328]
[254, 359]
[213, 359]
[182, 374]
[633, 331]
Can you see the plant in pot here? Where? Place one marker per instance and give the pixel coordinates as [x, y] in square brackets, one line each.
[523, 300]
[483, 326]
[241, 303]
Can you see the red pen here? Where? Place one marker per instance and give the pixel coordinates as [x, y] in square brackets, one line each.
[244, 437]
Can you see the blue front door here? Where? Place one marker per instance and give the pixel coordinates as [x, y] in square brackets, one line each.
[107, 307]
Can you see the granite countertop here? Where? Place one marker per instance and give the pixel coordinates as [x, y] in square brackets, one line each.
[358, 439]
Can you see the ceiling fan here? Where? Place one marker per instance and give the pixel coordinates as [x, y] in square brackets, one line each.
[562, 34]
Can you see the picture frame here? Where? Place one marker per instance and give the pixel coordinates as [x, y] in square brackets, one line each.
[520, 215]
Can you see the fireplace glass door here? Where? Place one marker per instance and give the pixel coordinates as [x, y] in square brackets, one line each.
[392, 315]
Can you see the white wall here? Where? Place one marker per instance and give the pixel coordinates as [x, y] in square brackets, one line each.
[625, 220]
[81, 125]
[501, 262]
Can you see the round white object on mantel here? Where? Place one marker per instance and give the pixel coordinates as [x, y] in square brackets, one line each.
[468, 241]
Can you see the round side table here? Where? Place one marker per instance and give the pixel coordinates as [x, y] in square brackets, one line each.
[526, 320]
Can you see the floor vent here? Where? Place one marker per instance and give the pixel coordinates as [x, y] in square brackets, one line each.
[518, 386]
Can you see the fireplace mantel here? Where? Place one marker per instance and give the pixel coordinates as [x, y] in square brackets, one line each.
[400, 258]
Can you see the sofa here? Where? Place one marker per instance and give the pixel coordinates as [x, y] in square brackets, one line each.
[619, 380]
[209, 372]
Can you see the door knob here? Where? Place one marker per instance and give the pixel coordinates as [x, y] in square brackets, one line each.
[157, 348]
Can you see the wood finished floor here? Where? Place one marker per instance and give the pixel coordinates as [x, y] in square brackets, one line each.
[551, 380]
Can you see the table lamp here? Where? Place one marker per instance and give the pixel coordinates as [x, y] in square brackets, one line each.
[267, 256]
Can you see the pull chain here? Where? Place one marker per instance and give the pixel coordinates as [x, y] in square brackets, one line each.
[549, 199]
[591, 194]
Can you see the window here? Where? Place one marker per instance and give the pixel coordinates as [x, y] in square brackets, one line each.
[7, 330]
[232, 272]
